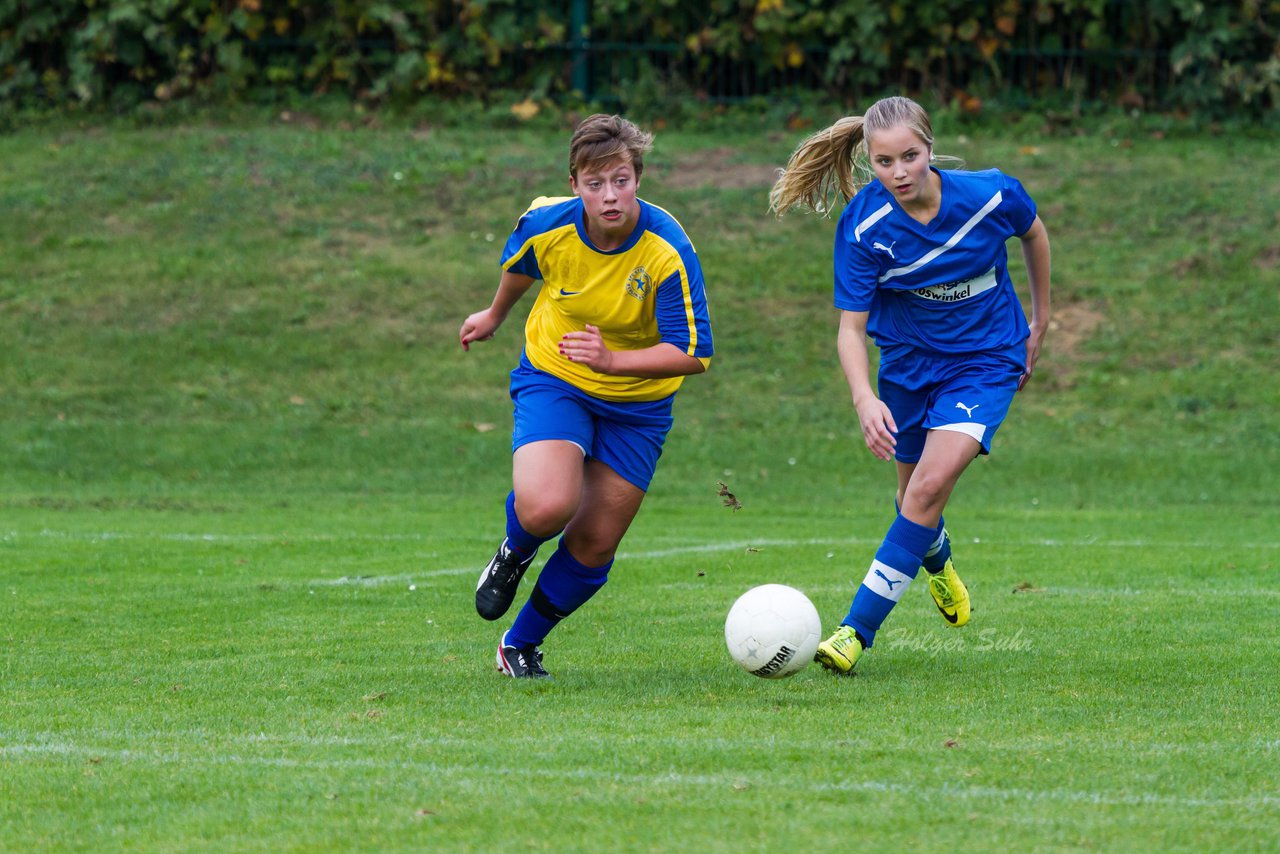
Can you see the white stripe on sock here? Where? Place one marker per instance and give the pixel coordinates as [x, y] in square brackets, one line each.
[884, 580]
[937, 544]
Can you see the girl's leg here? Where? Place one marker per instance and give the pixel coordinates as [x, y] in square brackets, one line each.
[935, 559]
[929, 485]
[580, 565]
[547, 481]
[946, 455]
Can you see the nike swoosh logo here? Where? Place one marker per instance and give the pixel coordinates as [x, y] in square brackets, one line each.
[565, 293]
[950, 618]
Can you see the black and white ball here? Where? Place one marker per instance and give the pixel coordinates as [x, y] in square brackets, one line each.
[772, 631]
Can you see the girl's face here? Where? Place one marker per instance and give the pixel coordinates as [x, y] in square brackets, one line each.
[901, 162]
[608, 196]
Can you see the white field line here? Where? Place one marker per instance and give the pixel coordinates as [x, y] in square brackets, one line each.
[452, 775]
[285, 537]
[178, 537]
[697, 548]
[1257, 744]
[744, 545]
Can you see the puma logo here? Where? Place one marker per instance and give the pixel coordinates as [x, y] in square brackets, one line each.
[968, 410]
[888, 580]
[887, 249]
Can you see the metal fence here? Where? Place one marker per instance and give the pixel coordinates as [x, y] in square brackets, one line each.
[607, 70]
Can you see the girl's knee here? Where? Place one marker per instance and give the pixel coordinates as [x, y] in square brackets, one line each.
[591, 549]
[543, 515]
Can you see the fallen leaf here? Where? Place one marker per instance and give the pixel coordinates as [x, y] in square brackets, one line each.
[730, 500]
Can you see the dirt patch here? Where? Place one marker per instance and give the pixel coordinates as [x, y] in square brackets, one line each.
[1267, 258]
[1071, 326]
[716, 168]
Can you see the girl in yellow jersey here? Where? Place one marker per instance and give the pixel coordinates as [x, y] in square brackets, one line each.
[620, 320]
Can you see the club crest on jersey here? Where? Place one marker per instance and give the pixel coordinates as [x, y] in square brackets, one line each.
[639, 283]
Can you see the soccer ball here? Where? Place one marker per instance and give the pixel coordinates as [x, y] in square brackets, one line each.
[772, 631]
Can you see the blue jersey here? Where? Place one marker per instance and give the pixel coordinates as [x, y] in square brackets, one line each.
[942, 287]
[647, 291]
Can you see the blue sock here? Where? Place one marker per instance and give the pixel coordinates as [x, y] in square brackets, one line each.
[517, 537]
[896, 563]
[563, 586]
[940, 550]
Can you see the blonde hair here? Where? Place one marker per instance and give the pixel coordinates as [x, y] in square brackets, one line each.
[835, 161]
[603, 139]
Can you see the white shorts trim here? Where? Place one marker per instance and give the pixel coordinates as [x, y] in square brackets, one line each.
[976, 431]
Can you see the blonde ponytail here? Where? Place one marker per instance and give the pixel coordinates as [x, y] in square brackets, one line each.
[821, 167]
[835, 160]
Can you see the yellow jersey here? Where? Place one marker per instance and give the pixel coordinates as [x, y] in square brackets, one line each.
[647, 291]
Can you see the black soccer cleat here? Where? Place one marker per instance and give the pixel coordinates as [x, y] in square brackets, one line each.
[497, 586]
[520, 662]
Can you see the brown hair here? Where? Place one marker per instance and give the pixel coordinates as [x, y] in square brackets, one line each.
[834, 160]
[602, 139]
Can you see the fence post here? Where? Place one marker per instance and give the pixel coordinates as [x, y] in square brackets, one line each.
[578, 42]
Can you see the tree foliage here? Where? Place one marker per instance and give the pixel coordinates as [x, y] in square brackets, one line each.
[1209, 58]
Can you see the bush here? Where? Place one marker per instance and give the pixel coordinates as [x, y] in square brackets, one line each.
[1211, 60]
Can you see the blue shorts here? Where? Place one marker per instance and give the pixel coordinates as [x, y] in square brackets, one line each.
[627, 437]
[969, 394]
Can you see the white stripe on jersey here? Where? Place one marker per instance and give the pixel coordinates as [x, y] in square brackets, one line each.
[871, 220]
[991, 205]
[884, 580]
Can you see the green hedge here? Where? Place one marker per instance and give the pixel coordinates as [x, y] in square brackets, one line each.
[1209, 59]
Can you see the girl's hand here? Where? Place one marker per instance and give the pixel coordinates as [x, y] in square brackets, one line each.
[478, 327]
[1033, 355]
[587, 348]
[878, 427]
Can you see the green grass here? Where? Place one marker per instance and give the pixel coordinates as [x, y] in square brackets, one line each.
[249, 478]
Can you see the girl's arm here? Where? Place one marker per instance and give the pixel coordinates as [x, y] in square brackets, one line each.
[878, 427]
[656, 362]
[1035, 252]
[481, 325]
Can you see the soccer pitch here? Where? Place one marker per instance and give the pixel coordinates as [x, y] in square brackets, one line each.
[251, 480]
[315, 678]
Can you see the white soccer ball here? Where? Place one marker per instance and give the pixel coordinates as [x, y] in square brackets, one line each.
[772, 631]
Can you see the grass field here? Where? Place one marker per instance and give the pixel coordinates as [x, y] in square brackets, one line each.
[249, 479]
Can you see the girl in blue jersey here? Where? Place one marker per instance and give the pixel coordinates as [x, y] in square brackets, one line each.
[921, 268]
[620, 320]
